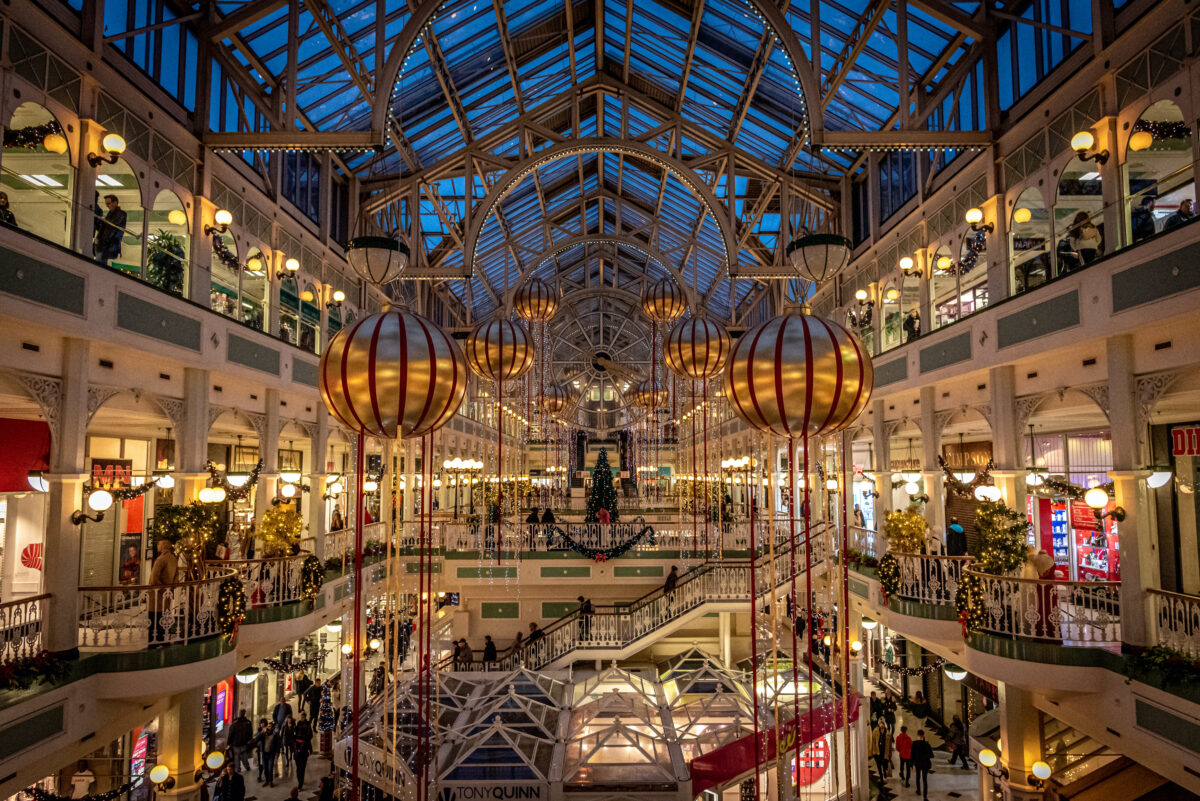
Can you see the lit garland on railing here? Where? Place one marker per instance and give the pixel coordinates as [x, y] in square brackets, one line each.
[1058, 487]
[38, 794]
[125, 493]
[1162, 129]
[231, 606]
[224, 255]
[889, 576]
[235, 493]
[964, 489]
[281, 666]
[312, 578]
[31, 137]
[605, 554]
[924, 670]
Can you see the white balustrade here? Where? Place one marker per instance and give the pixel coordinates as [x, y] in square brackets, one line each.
[1176, 621]
[132, 617]
[1072, 613]
[21, 627]
[930, 579]
[273, 581]
[866, 541]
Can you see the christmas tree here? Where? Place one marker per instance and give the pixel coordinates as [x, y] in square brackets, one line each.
[603, 495]
[325, 717]
[1003, 536]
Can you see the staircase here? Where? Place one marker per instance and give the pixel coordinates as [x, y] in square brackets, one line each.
[617, 632]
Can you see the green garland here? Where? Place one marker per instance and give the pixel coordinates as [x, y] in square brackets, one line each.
[123, 493]
[38, 794]
[856, 559]
[924, 670]
[312, 578]
[231, 606]
[605, 554]
[1175, 667]
[964, 489]
[233, 493]
[968, 600]
[889, 576]
[23, 672]
[1058, 487]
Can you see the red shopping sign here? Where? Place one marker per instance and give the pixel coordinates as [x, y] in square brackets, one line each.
[812, 764]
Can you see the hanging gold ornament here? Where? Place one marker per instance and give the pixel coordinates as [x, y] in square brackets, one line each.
[648, 395]
[664, 301]
[554, 399]
[696, 348]
[535, 301]
[393, 374]
[798, 373]
[500, 350]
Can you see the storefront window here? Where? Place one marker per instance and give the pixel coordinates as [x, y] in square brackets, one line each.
[912, 326]
[1079, 217]
[38, 179]
[891, 321]
[1159, 188]
[310, 318]
[289, 310]
[114, 549]
[1029, 242]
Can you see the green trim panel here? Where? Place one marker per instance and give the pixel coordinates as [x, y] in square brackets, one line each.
[1171, 727]
[500, 611]
[566, 572]
[304, 372]
[486, 572]
[945, 353]
[148, 319]
[557, 609]
[1159, 276]
[240, 350]
[646, 571]
[42, 283]
[890, 373]
[1038, 320]
[32, 730]
[860, 588]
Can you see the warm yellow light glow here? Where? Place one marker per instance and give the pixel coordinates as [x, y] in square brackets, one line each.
[1034, 479]
[912, 488]
[338, 296]
[1096, 498]
[855, 646]
[1041, 770]
[100, 501]
[159, 774]
[55, 143]
[906, 263]
[292, 265]
[826, 639]
[306, 296]
[370, 486]
[214, 760]
[987, 758]
[860, 294]
[1083, 141]
[254, 264]
[347, 648]
[113, 143]
[1141, 140]
[223, 217]
[974, 216]
[1022, 215]
[336, 488]
[831, 484]
[892, 294]
[374, 644]
[944, 263]
[176, 217]
[288, 490]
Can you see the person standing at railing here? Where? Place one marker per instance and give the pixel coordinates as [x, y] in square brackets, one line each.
[585, 615]
[956, 538]
[859, 520]
[489, 652]
[6, 215]
[163, 574]
[535, 633]
[110, 229]
[336, 523]
[517, 646]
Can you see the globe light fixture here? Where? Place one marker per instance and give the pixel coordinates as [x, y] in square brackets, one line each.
[912, 488]
[1141, 140]
[347, 649]
[247, 676]
[38, 481]
[238, 479]
[988, 758]
[55, 143]
[1034, 479]
[374, 644]
[113, 146]
[954, 672]
[892, 294]
[100, 501]
[1040, 770]
[911, 477]
[869, 624]
[159, 774]
[1096, 498]
[222, 219]
[177, 217]
[334, 626]
[214, 760]
[1083, 142]
[288, 490]
[1158, 478]
[974, 218]
[336, 488]
[965, 476]
[290, 476]
[855, 646]
[370, 486]
[907, 265]
[1022, 215]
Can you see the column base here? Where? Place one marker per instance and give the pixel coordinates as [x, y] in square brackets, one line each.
[1022, 792]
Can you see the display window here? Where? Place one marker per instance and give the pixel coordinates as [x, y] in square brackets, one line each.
[115, 548]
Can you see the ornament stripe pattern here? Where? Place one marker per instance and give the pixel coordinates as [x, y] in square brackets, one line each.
[500, 350]
[535, 301]
[393, 374]
[697, 349]
[664, 301]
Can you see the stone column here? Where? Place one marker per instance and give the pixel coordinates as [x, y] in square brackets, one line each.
[199, 279]
[1139, 541]
[1021, 735]
[318, 524]
[83, 215]
[931, 447]
[268, 451]
[1009, 474]
[191, 441]
[883, 463]
[179, 743]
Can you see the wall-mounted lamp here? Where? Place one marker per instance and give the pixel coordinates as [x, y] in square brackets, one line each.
[222, 220]
[892, 294]
[1159, 477]
[113, 146]
[290, 267]
[213, 762]
[99, 501]
[908, 266]
[1097, 498]
[161, 778]
[336, 299]
[1041, 772]
[974, 218]
[38, 481]
[1083, 142]
[177, 217]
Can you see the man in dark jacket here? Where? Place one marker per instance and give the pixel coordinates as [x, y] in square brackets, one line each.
[956, 538]
[312, 699]
[302, 747]
[489, 649]
[110, 229]
[281, 712]
[922, 761]
[231, 786]
[241, 732]
[272, 745]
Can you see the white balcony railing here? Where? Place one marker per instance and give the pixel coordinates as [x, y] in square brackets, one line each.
[1078, 613]
[21, 628]
[930, 579]
[272, 581]
[1176, 621]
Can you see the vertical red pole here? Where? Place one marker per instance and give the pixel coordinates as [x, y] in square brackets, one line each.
[794, 496]
[695, 482]
[808, 628]
[707, 498]
[754, 644]
[360, 467]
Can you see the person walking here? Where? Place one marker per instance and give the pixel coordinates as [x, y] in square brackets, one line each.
[585, 617]
[489, 652]
[287, 739]
[888, 711]
[273, 744]
[922, 762]
[904, 750]
[312, 699]
[517, 646]
[281, 712]
[260, 748]
[302, 736]
[163, 574]
[957, 740]
[241, 732]
[303, 682]
[879, 746]
[231, 786]
[535, 633]
[670, 584]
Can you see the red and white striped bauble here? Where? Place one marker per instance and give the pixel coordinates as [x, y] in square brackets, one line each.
[649, 394]
[393, 374]
[500, 350]
[664, 301]
[535, 301]
[696, 348]
[798, 373]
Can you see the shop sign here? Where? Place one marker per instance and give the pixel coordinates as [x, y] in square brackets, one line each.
[812, 764]
[492, 791]
[1082, 516]
[111, 474]
[1185, 441]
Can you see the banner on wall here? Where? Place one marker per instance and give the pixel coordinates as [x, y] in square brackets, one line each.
[109, 474]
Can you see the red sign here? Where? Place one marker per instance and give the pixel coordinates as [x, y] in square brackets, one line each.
[1185, 441]
[110, 474]
[812, 764]
[31, 556]
[1082, 516]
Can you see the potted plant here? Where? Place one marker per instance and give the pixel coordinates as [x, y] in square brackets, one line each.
[165, 262]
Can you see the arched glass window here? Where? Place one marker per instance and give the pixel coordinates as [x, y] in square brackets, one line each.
[891, 321]
[120, 218]
[1029, 242]
[943, 285]
[310, 316]
[971, 271]
[39, 181]
[1159, 187]
[289, 309]
[1078, 216]
[168, 243]
[226, 272]
[910, 306]
[255, 289]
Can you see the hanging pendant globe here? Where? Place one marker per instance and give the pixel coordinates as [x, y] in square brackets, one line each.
[664, 301]
[535, 301]
[798, 373]
[377, 259]
[393, 374]
[500, 350]
[696, 348]
[819, 257]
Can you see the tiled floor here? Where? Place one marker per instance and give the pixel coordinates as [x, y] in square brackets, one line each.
[318, 766]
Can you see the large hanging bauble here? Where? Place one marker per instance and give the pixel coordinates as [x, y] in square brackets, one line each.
[377, 259]
[393, 374]
[535, 301]
[798, 373]
[664, 301]
[554, 399]
[819, 257]
[500, 350]
[648, 394]
[696, 348]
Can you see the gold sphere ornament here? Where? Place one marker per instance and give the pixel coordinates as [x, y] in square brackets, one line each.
[500, 350]
[535, 301]
[798, 373]
[649, 395]
[393, 374]
[696, 348]
[664, 301]
[554, 399]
